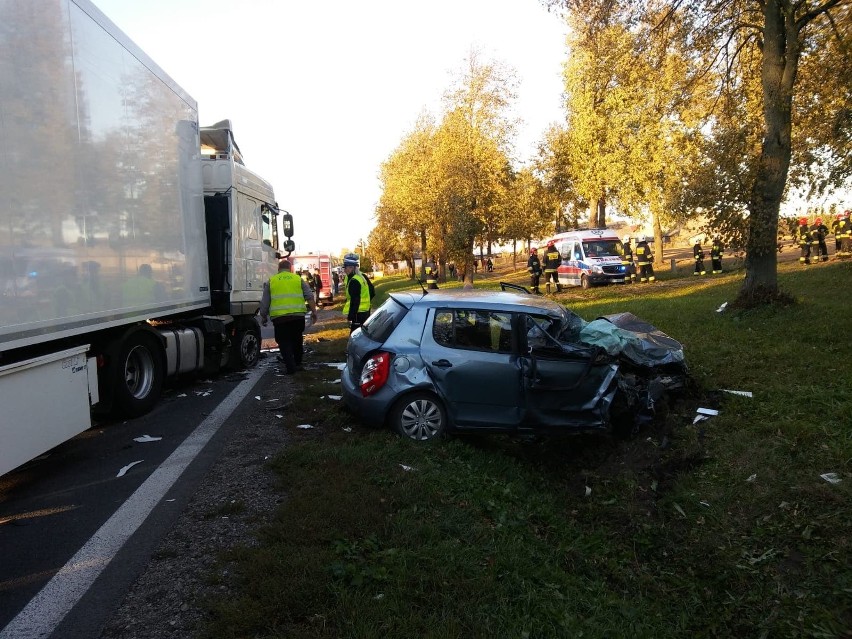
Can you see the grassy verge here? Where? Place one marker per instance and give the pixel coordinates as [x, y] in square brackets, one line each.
[720, 529]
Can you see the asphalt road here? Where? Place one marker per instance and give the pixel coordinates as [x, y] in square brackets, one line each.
[76, 498]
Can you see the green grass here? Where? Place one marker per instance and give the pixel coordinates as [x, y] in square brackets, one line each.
[720, 529]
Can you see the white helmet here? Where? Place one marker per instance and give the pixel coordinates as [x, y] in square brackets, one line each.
[626, 239]
[641, 238]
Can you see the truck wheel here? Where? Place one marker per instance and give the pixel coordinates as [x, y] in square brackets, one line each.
[139, 371]
[584, 282]
[245, 349]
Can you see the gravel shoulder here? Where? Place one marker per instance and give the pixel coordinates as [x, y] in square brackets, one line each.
[235, 497]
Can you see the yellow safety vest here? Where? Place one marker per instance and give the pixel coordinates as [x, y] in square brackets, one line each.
[364, 303]
[285, 289]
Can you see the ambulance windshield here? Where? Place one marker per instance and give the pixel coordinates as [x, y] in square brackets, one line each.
[601, 248]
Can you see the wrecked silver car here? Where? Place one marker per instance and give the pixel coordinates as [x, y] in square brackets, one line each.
[507, 362]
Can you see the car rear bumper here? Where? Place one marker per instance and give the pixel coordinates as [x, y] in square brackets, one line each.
[372, 410]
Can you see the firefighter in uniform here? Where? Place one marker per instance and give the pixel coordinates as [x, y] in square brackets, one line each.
[845, 229]
[534, 267]
[284, 298]
[431, 274]
[627, 260]
[551, 266]
[698, 254]
[716, 254]
[803, 239]
[835, 231]
[818, 233]
[644, 259]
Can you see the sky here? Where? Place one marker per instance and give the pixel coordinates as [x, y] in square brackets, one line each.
[321, 93]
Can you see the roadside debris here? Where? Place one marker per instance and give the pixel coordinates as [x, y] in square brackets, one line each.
[146, 438]
[722, 308]
[751, 478]
[738, 392]
[407, 468]
[831, 478]
[124, 470]
[704, 413]
[338, 365]
[304, 426]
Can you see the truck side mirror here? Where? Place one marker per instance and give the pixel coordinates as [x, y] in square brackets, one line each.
[289, 246]
[287, 226]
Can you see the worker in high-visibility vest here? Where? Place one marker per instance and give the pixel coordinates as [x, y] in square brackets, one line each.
[359, 293]
[551, 266]
[644, 260]
[284, 298]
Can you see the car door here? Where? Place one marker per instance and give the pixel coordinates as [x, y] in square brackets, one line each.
[566, 386]
[471, 357]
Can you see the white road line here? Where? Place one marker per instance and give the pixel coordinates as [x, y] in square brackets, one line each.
[46, 610]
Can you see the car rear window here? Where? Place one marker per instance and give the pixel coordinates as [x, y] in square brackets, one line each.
[387, 317]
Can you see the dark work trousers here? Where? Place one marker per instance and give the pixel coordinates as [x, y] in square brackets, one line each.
[360, 318]
[534, 278]
[288, 335]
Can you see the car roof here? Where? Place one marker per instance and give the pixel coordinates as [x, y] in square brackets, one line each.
[475, 299]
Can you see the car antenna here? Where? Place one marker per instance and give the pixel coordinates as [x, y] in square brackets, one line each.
[425, 292]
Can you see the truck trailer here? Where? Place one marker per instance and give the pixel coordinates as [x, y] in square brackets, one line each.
[134, 243]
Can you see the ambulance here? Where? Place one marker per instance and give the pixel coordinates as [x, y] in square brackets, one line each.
[589, 257]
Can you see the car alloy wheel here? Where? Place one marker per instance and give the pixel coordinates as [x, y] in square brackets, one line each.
[420, 417]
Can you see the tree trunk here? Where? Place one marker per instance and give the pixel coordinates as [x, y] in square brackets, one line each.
[778, 76]
[423, 256]
[597, 213]
[658, 239]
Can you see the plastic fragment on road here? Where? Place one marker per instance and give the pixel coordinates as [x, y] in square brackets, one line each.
[699, 418]
[336, 398]
[124, 470]
[679, 509]
[831, 478]
[707, 411]
[722, 307]
[751, 478]
[279, 416]
[347, 429]
[333, 381]
[407, 468]
[257, 397]
[204, 393]
[146, 438]
[182, 395]
[338, 365]
[706, 504]
[304, 426]
[588, 491]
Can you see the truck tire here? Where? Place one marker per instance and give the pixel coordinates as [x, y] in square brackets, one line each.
[245, 349]
[584, 282]
[139, 370]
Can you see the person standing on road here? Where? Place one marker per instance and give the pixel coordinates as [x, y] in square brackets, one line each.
[716, 254]
[551, 266]
[317, 284]
[284, 298]
[335, 281]
[644, 259]
[818, 233]
[534, 267]
[627, 260]
[359, 292]
[698, 254]
[803, 238]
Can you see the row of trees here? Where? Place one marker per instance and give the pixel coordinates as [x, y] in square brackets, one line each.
[673, 109]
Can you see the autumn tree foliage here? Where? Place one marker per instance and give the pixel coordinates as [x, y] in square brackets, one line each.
[777, 73]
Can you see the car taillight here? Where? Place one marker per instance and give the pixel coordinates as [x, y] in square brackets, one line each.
[375, 373]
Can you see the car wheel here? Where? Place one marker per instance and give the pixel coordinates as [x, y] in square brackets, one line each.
[584, 282]
[419, 416]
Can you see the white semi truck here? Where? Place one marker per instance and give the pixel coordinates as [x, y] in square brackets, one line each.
[133, 243]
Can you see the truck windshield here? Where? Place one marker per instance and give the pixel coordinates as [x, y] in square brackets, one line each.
[601, 248]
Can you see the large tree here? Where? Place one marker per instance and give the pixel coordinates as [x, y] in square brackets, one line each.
[779, 36]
